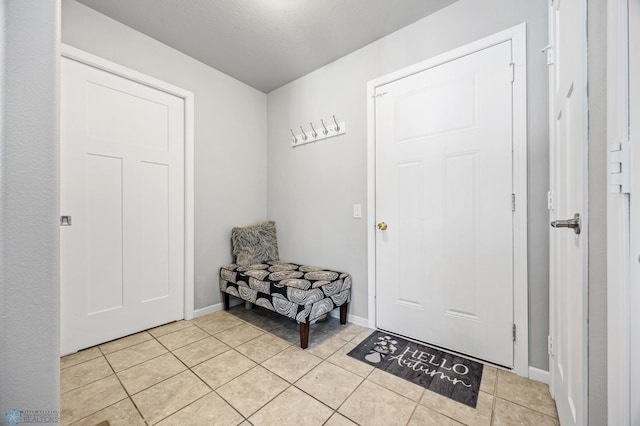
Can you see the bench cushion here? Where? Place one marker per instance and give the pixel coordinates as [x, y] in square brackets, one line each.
[301, 292]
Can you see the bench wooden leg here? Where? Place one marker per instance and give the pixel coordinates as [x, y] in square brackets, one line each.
[225, 300]
[343, 313]
[304, 334]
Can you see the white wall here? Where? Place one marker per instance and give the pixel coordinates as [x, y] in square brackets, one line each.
[29, 227]
[312, 188]
[230, 134]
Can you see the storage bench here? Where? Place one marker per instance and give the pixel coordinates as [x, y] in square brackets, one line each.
[299, 292]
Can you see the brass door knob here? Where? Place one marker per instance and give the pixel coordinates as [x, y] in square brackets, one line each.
[382, 226]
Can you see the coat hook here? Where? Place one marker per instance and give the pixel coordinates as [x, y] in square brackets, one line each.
[337, 127]
[325, 131]
[304, 135]
[314, 133]
[294, 140]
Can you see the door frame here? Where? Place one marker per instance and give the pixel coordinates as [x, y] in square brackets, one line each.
[623, 222]
[518, 37]
[81, 56]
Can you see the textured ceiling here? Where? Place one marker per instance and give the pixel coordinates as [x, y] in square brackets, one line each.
[266, 43]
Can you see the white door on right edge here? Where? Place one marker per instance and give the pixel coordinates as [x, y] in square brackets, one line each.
[444, 247]
[568, 249]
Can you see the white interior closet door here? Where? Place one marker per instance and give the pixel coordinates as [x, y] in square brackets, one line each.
[122, 186]
[568, 247]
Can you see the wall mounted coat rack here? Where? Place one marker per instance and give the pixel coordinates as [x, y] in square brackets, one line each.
[313, 134]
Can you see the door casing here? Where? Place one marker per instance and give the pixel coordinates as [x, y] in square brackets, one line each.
[188, 97]
[517, 35]
[623, 216]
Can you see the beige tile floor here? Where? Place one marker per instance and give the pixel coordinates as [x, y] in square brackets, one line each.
[245, 367]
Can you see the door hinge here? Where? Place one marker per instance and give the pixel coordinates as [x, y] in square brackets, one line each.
[549, 200]
[549, 345]
[513, 71]
[513, 330]
[513, 202]
[619, 165]
[548, 49]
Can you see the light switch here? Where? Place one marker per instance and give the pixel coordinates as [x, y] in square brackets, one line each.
[357, 211]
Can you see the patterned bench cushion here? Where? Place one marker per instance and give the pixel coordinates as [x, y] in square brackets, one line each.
[300, 292]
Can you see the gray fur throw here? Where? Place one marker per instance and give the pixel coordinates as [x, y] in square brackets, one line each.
[255, 244]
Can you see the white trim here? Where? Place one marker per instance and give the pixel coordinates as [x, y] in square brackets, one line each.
[235, 301]
[73, 53]
[364, 322]
[207, 310]
[539, 375]
[619, 372]
[634, 212]
[517, 35]
[216, 307]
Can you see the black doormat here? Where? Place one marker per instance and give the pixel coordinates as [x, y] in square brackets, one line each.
[449, 375]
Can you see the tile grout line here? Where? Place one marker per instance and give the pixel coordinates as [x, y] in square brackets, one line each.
[263, 405]
[123, 387]
[527, 408]
[88, 383]
[334, 410]
[356, 388]
[119, 381]
[519, 404]
[495, 398]
[187, 369]
[190, 368]
[288, 383]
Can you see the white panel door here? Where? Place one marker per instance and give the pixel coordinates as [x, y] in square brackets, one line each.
[444, 263]
[568, 249]
[122, 183]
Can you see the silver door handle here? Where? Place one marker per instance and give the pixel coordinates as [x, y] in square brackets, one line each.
[569, 223]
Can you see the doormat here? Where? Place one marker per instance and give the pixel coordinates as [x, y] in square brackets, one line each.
[449, 375]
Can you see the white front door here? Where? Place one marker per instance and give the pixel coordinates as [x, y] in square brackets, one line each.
[122, 184]
[568, 249]
[444, 184]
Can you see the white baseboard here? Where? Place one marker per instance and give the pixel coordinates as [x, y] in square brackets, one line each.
[207, 310]
[215, 308]
[364, 322]
[538, 375]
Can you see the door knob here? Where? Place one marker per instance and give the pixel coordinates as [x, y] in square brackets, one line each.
[569, 223]
[382, 226]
